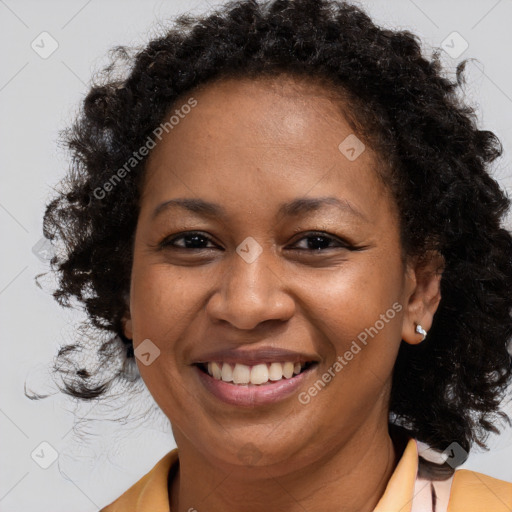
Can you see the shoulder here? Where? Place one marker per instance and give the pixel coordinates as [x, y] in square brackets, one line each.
[150, 492]
[475, 492]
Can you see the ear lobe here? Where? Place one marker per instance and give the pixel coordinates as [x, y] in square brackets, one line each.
[126, 321]
[127, 327]
[424, 297]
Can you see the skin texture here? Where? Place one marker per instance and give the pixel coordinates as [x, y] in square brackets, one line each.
[250, 146]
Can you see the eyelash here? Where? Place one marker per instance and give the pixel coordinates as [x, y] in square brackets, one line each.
[168, 243]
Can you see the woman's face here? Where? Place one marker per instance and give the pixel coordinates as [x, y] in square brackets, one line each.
[248, 281]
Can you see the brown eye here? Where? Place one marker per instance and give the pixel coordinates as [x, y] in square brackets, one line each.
[192, 240]
[318, 242]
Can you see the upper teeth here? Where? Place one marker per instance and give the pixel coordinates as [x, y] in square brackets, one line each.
[257, 374]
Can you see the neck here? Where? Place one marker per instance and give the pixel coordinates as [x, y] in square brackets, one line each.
[350, 478]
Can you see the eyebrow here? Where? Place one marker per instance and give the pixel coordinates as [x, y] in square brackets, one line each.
[294, 208]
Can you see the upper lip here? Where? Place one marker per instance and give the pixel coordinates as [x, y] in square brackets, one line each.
[255, 356]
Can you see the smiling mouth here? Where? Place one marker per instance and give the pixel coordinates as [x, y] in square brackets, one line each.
[256, 375]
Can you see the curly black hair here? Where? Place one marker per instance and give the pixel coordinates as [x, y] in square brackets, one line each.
[401, 104]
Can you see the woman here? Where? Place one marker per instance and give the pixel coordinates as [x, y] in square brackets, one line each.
[286, 215]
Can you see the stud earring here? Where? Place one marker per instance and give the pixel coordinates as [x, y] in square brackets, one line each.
[420, 330]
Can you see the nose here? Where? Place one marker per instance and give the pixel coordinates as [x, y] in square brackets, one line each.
[251, 293]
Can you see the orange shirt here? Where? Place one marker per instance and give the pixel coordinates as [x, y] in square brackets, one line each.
[466, 491]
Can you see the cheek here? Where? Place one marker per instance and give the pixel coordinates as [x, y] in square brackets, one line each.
[164, 304]
[360, 313]
[354, 298]
[359, 319]
[163, 301]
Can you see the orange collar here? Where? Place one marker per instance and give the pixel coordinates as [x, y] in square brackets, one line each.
[399, 492]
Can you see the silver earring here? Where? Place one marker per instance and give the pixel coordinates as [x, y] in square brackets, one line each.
[421, 331]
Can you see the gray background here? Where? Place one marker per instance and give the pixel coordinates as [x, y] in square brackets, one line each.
[37, 97]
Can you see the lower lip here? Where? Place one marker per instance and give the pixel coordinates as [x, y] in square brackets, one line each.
[246, 395]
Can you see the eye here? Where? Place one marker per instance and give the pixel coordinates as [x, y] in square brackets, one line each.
[318, 241]
[192, 240]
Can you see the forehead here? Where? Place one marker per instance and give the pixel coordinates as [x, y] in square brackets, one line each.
[248, 137]
[294, 109]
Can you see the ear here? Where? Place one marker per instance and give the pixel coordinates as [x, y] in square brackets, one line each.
[423, 294]
[127, 320]
[127, 326]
